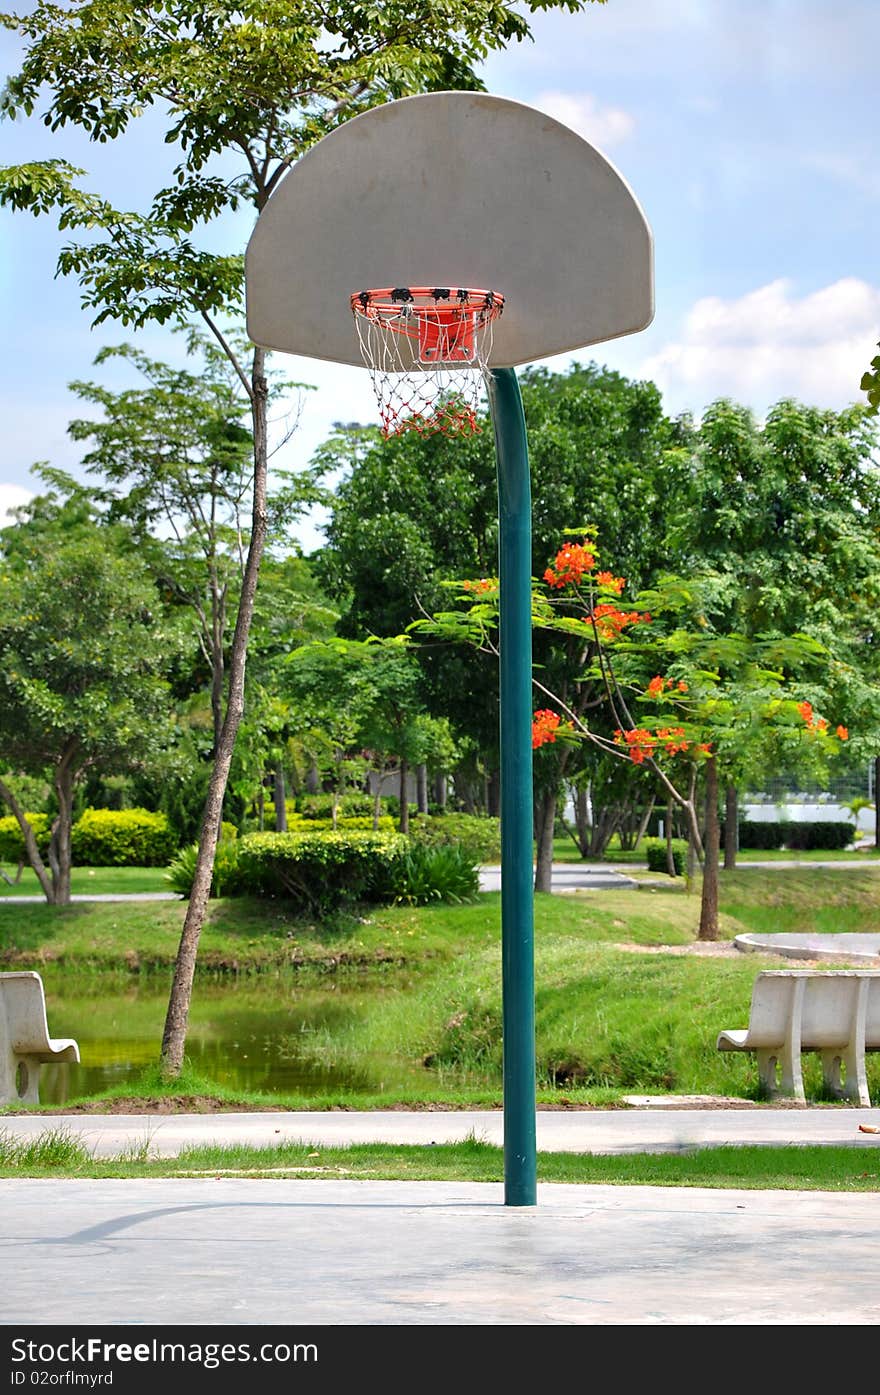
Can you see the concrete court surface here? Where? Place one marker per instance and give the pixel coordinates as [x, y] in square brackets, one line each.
[240, 1252]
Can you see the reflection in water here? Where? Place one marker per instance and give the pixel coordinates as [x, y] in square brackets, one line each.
[261, 1033]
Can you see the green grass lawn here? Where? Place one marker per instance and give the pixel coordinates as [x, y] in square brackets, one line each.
[93, 881]
[614, 1015]
[58, 1153]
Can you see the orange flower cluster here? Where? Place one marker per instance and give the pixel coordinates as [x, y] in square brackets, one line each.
[660, 685]
[815, 723]
[611, 621]
[484, 584]
[642, 743]
[545, 725]
[673, 739]
[614, 583]
[572, 561]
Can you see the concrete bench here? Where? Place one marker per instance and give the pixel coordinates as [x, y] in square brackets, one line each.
[25, 1044]
[835, 1012]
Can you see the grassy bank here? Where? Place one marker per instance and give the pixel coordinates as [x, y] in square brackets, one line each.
[623, 1004]
[92, 881]
[59, 1154]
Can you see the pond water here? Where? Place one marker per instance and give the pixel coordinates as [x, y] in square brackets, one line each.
[264, 1032]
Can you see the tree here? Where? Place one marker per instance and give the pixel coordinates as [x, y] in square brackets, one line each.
[174, 456]
[787, 516]
[870, 384]
[710, 697]
[252, 84]
[412, 513]
[361, 702]
[83, 646]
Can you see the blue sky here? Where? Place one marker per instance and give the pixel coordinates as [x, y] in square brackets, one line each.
[743, 127]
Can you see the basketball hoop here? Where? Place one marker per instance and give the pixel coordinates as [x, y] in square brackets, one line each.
[427, 349]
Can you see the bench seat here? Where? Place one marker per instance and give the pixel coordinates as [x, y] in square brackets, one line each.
[835, 1012]
[25, 1044]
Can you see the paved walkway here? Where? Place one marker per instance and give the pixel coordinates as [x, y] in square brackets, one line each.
[640, 1129]
[570, 876]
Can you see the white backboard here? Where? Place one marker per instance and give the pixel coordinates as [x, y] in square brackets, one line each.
[452, 189]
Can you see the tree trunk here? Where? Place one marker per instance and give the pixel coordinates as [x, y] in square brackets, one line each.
[174, 1035]
[644, 821]
[545, 810]
[605, 825]
[493, 794]
[464, 792]
[280, 797]
[59, 843]
[313, 783]
[30, 843]
[581, 833]
[377, 803]
[709, 899]
[731, 828]
[403, 822]
[422, 787]
[670, 852]
[440, 791]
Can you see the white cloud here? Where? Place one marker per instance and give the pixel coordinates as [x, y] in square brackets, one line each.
[771, 344]
[12, 496]
[601, 126]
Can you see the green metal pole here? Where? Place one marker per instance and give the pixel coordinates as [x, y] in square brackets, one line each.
[517, 897]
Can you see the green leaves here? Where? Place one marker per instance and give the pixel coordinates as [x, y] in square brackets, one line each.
[870, 384]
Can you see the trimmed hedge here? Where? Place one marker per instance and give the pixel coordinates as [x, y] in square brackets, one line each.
[122, 838]
[12, 847]
[320, 806]
[828, 834]
[825, 834]
[321, 872]
[479, 838]
[362, 823]
[655, 851]
[765, 836]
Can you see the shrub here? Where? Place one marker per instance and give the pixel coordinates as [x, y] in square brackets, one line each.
[122, 838]
[442, 873]
[479, 838]
[182, 870]
[12, 847]
[361, 822]
[765, 836]
[322, 871]
[655, 850]
[827, 834]
[320, 806]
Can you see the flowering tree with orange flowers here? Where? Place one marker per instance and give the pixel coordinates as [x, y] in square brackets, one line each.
[677, 697]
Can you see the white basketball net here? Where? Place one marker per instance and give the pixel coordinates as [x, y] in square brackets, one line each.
[427, 351]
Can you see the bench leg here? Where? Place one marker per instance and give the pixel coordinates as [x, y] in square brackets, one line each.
[19, 1079]
[855, 1087]
[8, 1092]
[790, 1083]
[852, 1056]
